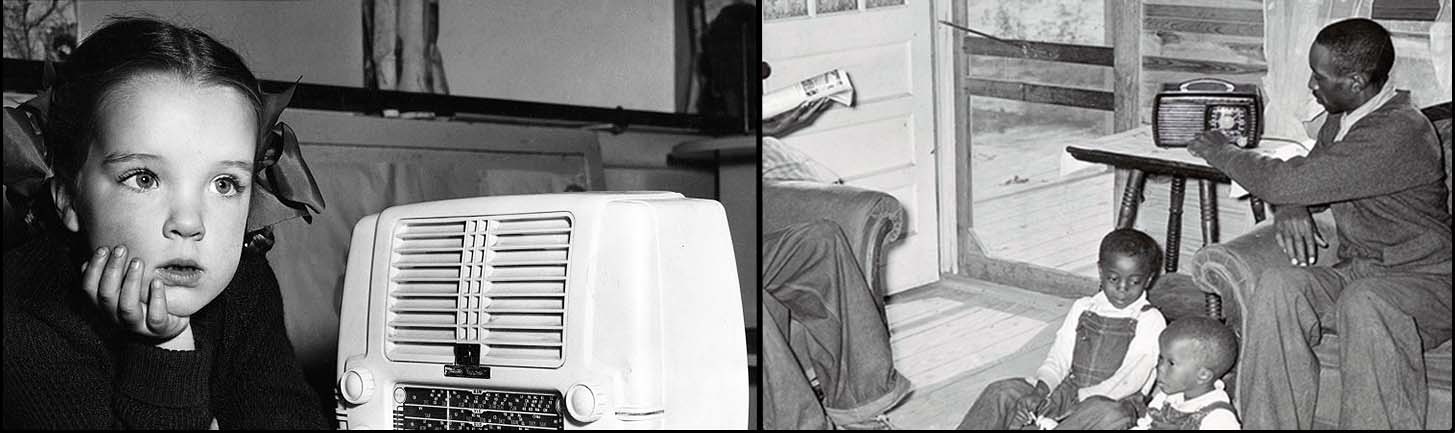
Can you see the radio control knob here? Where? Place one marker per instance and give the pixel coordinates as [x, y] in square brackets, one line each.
[587, 402]
[357, 386]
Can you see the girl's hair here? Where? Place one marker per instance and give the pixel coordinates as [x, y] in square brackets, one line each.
[122, 49]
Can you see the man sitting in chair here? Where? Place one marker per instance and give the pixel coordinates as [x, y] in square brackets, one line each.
[813, 285]
[1377, 167]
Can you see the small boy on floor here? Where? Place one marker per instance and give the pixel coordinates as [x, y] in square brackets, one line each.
[1103, 360]
[1196, 351]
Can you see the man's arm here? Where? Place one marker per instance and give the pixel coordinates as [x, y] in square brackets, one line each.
[1371, 160]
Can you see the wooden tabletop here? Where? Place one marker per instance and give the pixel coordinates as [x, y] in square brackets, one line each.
[1133, 149]
[733, 146]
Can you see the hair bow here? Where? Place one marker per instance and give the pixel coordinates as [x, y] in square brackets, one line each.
[27, 164]
[284, 187]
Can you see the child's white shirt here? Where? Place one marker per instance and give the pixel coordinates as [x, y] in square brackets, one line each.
[1218, 419]
[1139, 366]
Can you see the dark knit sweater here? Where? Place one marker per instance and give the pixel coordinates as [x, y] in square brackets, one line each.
[1384, 182]
[66, 367]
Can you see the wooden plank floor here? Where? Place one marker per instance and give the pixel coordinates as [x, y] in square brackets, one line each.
[1057, 221]
[954, 337]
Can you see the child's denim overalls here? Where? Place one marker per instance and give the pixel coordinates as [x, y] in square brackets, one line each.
[1167, 418]
[1101, 345]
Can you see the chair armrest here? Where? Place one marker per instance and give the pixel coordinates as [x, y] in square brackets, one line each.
[1231, 269]
[870, 219]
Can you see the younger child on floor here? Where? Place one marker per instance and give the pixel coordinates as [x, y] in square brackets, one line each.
[1196, 351]
[1104, 356]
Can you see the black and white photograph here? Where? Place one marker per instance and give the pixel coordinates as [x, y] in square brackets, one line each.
[975, 214]
[380, 214]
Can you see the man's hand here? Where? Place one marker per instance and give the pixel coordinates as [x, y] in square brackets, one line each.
[1297, 234]
[115, 285]
[1207, 141]
[795, 119]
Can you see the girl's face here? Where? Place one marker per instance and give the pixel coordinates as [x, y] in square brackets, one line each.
[167, 177]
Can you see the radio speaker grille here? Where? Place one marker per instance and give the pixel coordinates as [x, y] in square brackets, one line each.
[495, 281]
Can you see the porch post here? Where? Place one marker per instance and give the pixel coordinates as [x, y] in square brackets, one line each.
[1124, 34]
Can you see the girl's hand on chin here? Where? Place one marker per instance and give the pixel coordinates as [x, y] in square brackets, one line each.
[114, 284]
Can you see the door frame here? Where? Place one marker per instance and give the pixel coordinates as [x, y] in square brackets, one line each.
[952, 138]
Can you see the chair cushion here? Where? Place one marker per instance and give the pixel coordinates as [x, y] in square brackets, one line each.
[1178, 296]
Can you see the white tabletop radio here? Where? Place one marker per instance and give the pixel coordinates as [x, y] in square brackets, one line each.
[555, 311]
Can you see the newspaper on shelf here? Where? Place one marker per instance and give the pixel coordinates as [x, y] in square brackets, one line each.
[833, 85]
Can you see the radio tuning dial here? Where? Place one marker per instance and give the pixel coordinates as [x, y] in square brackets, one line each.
[357, 385]
[587, 402]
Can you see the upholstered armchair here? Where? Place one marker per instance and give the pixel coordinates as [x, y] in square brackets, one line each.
[1230, 270]
[870, 219]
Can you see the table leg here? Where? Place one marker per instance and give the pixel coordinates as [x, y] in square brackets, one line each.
[1257, 204]
[1174, 224]
[1131, 199]
[1209, 199]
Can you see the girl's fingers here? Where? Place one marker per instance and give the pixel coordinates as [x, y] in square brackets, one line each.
[108, 290]
[157, 308]
[129, 307]
[160, 322]
[91, 271]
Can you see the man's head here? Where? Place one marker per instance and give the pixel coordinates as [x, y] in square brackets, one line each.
[1195, 352]
[1350, 60]
[1128, 263]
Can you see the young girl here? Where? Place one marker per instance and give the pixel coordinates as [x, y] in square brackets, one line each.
[138, 308]
[1103, 358]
